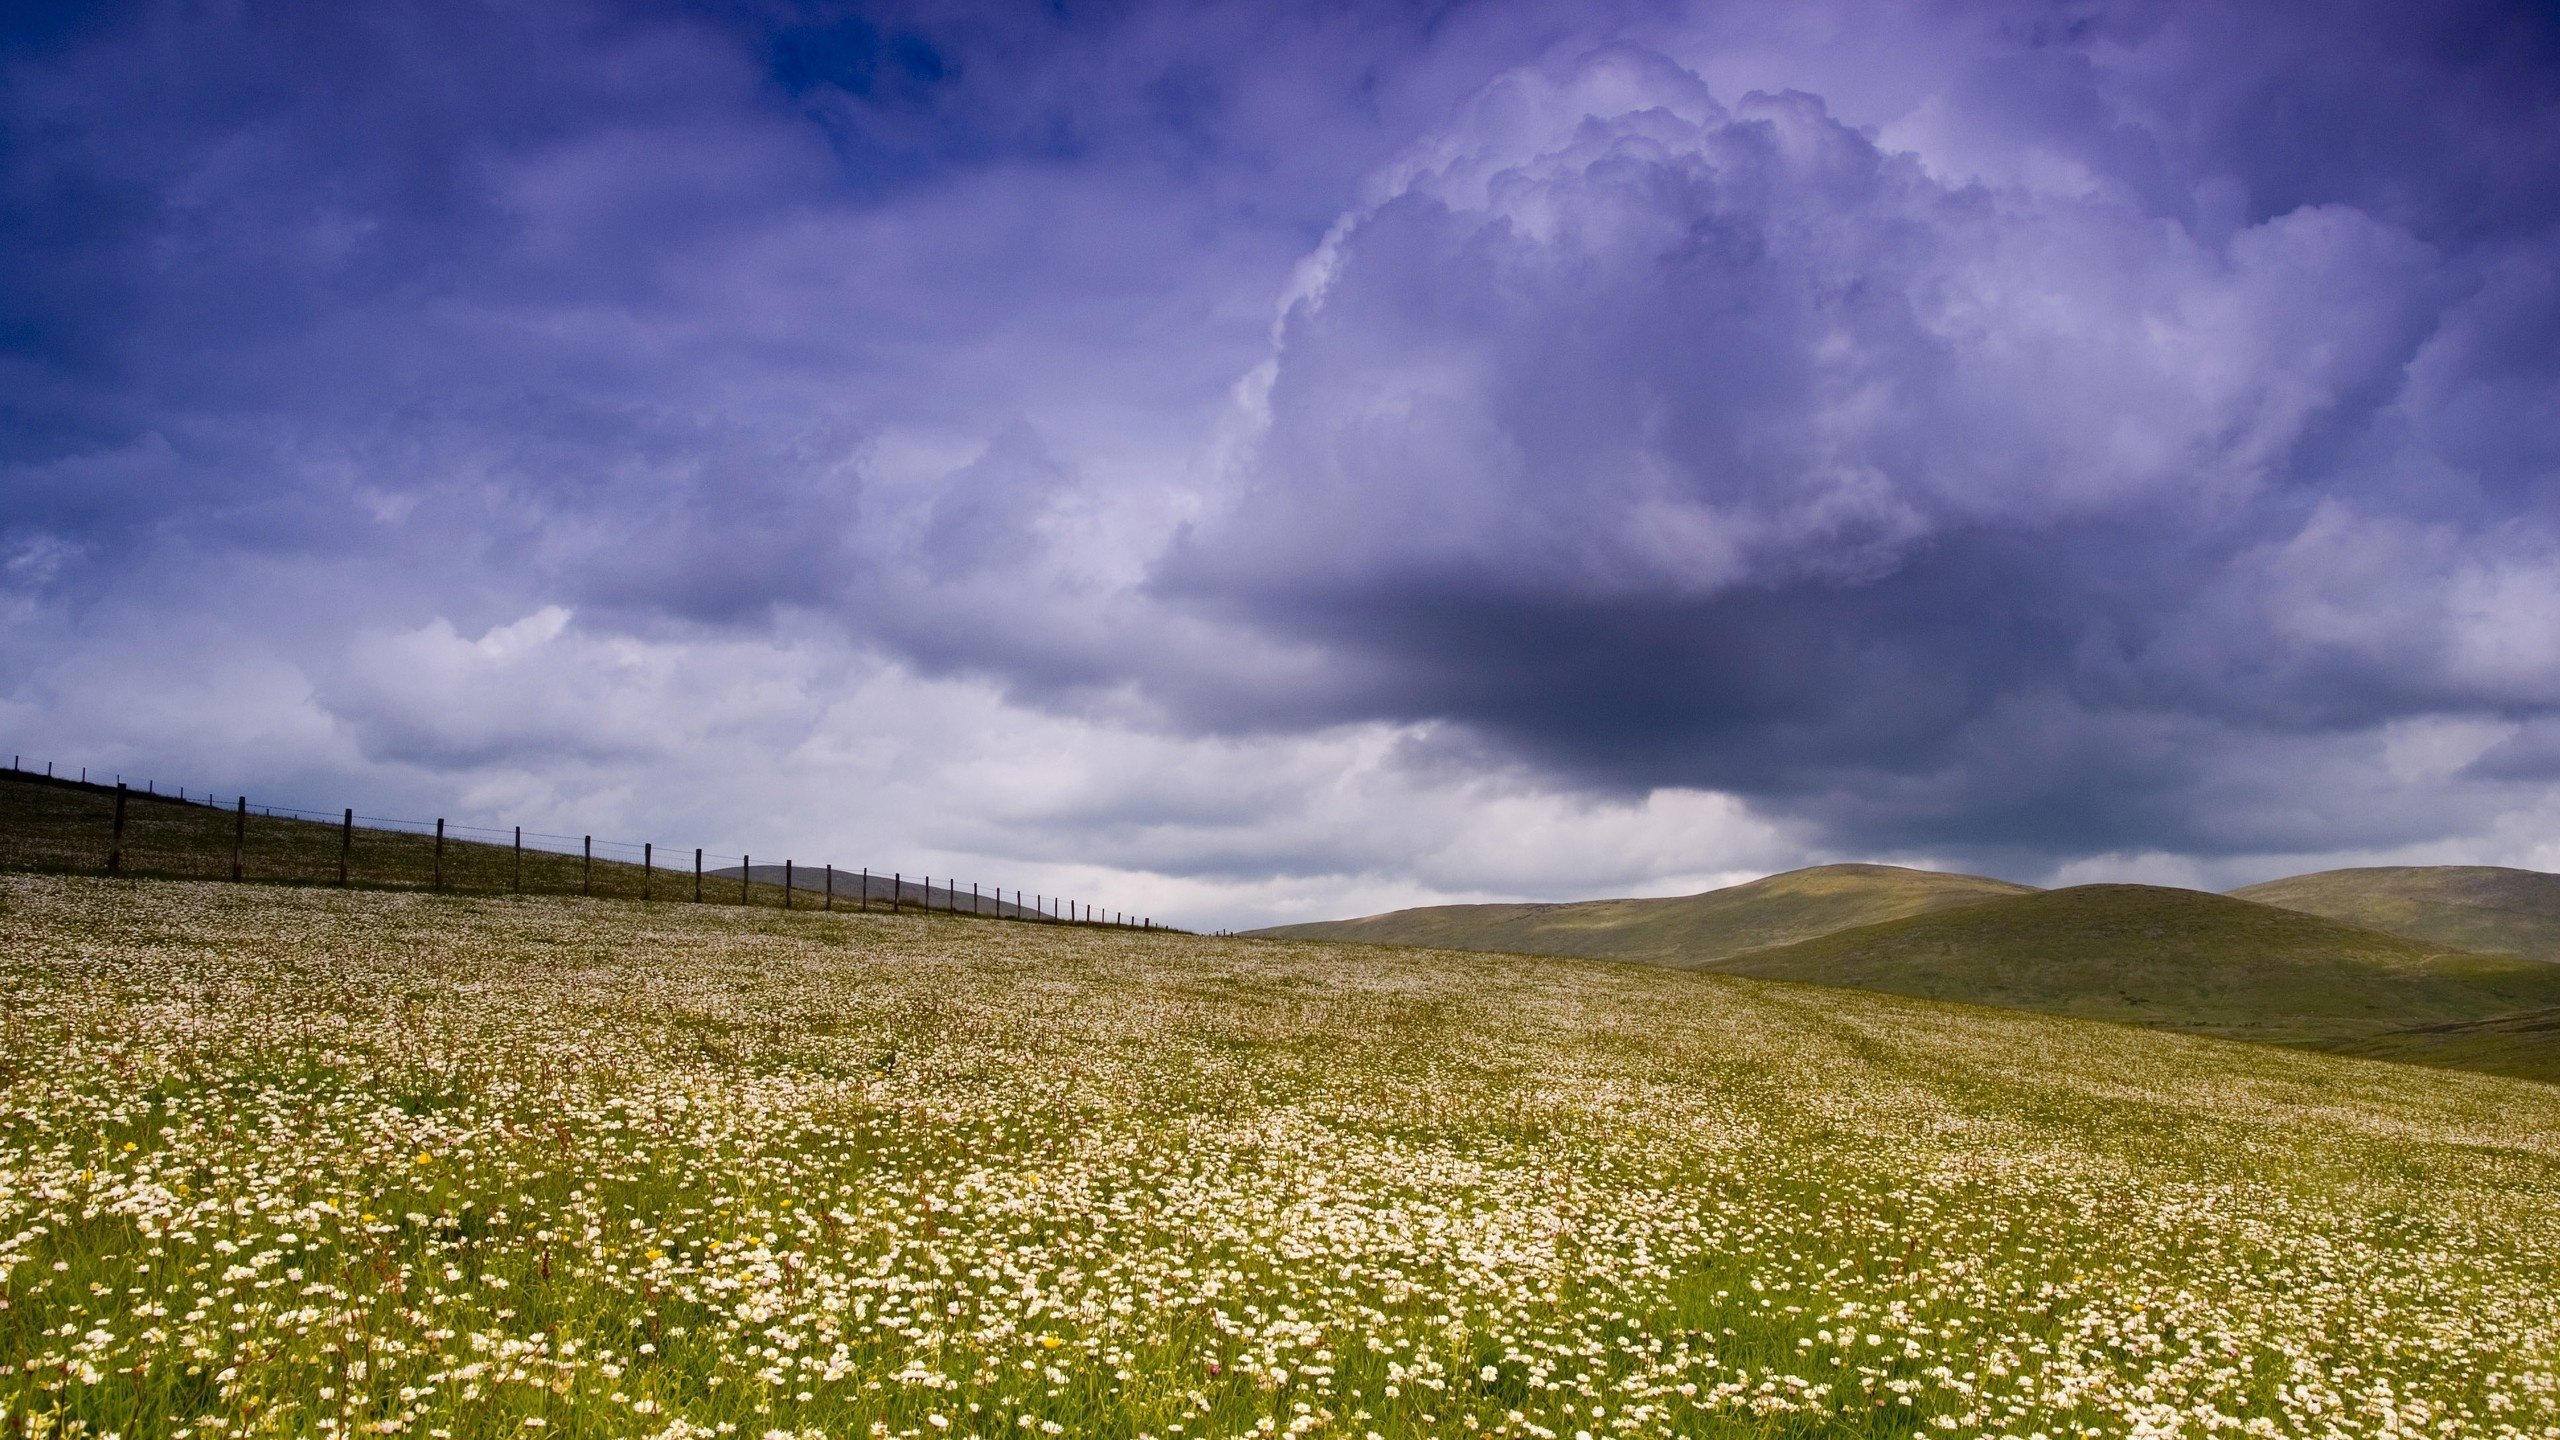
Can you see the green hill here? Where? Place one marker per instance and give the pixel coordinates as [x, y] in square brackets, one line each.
[2487, 908]
[1687, 930]
[2525, 1044]
[2176, 959]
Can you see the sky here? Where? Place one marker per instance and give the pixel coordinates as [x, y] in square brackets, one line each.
[1246, 463]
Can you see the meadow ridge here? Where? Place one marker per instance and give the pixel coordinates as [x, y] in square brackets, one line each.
[1676, 929]
[2354, 961]
[314, 1162]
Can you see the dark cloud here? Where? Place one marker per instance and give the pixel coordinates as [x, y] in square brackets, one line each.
[1684, 444]
[2013, 430]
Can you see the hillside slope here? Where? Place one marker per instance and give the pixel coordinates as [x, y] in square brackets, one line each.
[1686, 930]
[598, 1165]
[2488, 908]
[2177, 959]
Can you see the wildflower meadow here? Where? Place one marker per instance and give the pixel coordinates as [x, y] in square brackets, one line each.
[283, 1161]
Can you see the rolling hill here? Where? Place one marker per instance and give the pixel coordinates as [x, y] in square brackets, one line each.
[1685, 930]
[2180, 960]
[2487, 908]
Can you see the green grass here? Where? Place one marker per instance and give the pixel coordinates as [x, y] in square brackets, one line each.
[2525, 1044]
[2466, 907]
[2181, 959]
[308, 1161]
[1681, 930]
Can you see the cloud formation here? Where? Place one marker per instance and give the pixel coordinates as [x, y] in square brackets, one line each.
[1683, 443]
[1695, 437]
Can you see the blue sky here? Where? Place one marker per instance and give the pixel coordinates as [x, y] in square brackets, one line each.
[1258, 462]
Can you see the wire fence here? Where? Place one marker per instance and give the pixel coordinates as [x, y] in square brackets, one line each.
[113, 824]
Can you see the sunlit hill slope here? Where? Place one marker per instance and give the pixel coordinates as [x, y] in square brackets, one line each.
[2179, 959]
[2469, 907]
[1679, 930]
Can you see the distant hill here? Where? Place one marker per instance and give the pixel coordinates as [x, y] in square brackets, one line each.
[2486, 908]
[1686, 930]
[2183, 960]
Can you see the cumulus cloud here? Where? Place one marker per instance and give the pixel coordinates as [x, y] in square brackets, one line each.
[1672, 440]
[1305, 456]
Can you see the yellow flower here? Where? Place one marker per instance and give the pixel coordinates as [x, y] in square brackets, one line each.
[425, 1159]
[1050, 1342]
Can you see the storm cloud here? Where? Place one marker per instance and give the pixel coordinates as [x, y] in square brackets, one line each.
[1248, 454]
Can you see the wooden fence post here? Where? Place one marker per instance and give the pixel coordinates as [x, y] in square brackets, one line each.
[746, 872]
[974, 907]
[831, 886]
[346, 842]
[697, 874]
[439, 880]
[786, 884]
[897, 882]
[519, 880]
[587, 869]
[866, 890]
[115, 837]
[239, 835]
[648, 867]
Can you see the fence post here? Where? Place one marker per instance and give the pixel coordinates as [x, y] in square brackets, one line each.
[346, 842]
[865, 902]
[786, 884]
[115, 838]
[519, 880]
[974, 907]
[897, 882]
[697, 874]
[831, 885]
[439, 883]
[587, 869]
[239, 835]
[648, 867]
[746, 877]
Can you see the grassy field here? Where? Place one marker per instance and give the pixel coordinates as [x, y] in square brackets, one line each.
[2186, 960]
[305, 1161]
[1673, 930]
[2468, 907]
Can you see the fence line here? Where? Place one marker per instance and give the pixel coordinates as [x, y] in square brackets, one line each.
[52, 821]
